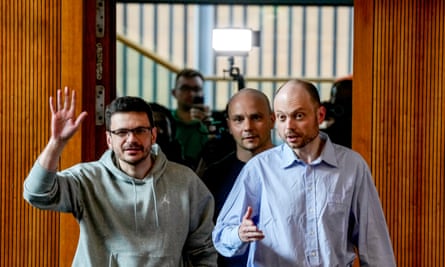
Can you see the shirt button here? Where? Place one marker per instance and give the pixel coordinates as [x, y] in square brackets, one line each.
[313, 254]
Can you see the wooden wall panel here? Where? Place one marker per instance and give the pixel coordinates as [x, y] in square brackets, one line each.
[71, 75]
[398, 126]
[79, 69]
[29, 67]
[404, 123]
[44, 46]
[31, 50]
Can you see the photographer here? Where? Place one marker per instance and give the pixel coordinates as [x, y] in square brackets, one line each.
[191, 115]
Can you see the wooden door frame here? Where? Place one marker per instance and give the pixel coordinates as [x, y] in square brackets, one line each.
[88, 61]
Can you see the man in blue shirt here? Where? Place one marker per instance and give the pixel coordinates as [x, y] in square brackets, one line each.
[307, 202]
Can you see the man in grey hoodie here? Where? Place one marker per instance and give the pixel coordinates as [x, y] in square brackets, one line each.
[133, 206]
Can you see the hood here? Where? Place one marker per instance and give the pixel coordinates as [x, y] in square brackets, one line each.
[158, 168]
[159, 165]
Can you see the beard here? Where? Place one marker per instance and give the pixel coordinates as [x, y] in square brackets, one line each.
[132, 159]
[305, 139]
[308, 139]
[135, 162]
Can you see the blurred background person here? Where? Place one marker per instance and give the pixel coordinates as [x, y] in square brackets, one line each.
[166, 128]
[338, 121]
[191, 115]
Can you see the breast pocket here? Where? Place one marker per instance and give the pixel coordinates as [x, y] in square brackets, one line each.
[334, 217]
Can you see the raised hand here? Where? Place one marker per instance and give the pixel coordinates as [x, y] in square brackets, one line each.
[200, 112]
[63, 121]
[63, 126]
[247, 230]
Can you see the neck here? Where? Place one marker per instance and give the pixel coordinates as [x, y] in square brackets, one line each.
[310, 151]
[138, 170]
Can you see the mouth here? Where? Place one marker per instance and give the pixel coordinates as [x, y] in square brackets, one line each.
[292, 138]
[249, 139]
[132, 150]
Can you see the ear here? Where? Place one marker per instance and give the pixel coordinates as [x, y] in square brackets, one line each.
[321, 114]
[272, 120]
[154, 135]
[228, 125]
[108, 137]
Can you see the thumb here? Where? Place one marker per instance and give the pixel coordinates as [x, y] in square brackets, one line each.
[80, 118]
[248, 213]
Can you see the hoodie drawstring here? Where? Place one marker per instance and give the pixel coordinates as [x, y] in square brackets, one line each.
[155, 203]
[134, 205]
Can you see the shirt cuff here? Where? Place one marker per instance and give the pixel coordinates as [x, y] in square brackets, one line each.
[40, 180]
[234, 239]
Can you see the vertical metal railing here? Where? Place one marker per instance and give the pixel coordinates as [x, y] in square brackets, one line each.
[313, 42]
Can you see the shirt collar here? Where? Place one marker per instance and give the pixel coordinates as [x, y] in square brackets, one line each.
[327, 154]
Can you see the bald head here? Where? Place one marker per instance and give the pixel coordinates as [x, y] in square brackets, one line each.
[293, 86]
[248, 93]
[250, 120]
[298, 114]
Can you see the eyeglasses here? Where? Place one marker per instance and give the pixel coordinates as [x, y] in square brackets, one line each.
[186, 88]
[138, 132]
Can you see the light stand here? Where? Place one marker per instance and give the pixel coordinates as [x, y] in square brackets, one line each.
[234, 42]
[235, 73]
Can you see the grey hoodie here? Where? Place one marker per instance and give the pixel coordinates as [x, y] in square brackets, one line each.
[163, 220]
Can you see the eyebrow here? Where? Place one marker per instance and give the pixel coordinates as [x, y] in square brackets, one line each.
[248, 115]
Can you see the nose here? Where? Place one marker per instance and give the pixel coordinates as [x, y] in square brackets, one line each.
[247, 124]
[131, 136]
[289, 123]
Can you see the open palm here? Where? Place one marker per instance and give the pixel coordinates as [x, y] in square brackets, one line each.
[63, 122]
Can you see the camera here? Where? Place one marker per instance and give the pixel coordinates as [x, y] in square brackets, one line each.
[198, 100]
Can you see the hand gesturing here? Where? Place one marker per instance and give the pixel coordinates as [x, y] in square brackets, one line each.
[248, 231]
[63, 121]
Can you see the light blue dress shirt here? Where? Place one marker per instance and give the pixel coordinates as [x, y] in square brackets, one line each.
[311, 214]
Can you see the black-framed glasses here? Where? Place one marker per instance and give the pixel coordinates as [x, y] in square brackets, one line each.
[138, 132]
[187, 88]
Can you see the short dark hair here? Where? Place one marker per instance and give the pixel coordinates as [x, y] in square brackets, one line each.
[156, 107]
[188, 73]
[128, 104]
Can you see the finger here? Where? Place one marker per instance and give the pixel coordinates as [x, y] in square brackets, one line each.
[73, 102]
[66, 103]
[255, 237]
[80, 118]
[248, 213]
[250, 228]
[252, 236]
[59, 100]
[51, 105]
